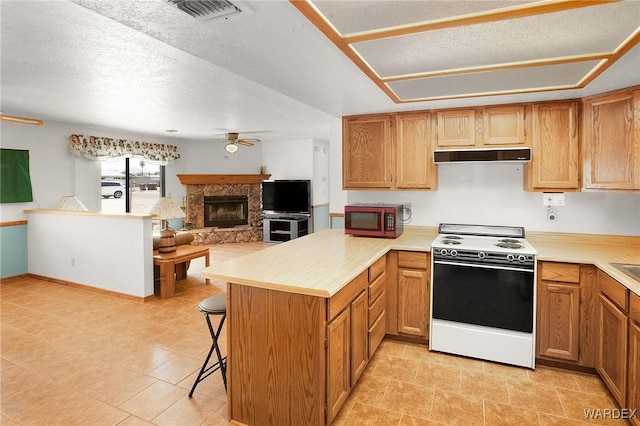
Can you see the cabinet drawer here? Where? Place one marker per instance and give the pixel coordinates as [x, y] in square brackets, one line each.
[376, 308]
[615, 291]
[344, 297]
[564, 272]
[413, 259]
[634, 307]
[377, 268]
[377, 287]
[376, 334]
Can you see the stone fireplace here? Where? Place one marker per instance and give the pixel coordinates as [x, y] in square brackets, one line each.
[232, 201]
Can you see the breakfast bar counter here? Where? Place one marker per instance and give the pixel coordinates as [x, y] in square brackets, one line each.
[298, 332]
[320, 264]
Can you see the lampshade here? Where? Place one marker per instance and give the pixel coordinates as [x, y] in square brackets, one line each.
[69, 202]
[165, 209]
[232, 147]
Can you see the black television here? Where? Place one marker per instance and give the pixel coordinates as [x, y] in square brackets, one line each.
[286, 196]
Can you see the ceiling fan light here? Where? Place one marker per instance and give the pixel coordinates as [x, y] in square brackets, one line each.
[231, 148]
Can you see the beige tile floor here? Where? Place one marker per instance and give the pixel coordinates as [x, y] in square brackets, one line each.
[76, 357]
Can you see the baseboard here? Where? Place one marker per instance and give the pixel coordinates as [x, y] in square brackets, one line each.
[90, 288]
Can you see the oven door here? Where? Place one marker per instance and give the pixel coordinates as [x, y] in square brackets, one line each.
[493, 296]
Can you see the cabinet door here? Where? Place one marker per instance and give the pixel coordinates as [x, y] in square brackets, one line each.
[559, 320]
[366, 152]
[415, 168]
[504, 125]
[611, 362]
[612, 142]
[456, 128]
[338, 362]
[413, 302]
[555, 155]
[633, 398]
[359, 336]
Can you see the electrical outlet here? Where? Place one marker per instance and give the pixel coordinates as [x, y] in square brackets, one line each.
[553, 199]
[73, 261]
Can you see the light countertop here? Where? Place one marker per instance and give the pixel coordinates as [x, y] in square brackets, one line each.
[320, 264]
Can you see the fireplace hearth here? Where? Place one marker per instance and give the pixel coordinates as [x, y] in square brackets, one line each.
[226, 211]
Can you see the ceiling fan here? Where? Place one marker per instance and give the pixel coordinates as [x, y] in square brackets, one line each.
[23, 120]
[232, 140]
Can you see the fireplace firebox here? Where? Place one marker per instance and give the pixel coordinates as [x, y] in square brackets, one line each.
[226, 211]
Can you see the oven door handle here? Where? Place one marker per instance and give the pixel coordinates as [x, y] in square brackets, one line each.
[476, 265]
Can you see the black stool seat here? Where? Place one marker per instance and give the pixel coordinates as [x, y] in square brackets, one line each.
[214, 305]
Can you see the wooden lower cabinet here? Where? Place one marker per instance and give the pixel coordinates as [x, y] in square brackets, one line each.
[633, 396]
[359, 336]
[567, 313]
[413, 294]
[633, 376]
[611, 361]
[338, 361]
[559, 325]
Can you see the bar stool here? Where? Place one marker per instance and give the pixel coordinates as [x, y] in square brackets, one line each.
[214, 305]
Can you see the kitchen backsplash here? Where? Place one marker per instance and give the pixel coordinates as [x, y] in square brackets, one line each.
[491, 193]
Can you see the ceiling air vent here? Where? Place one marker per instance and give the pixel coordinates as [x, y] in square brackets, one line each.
[205, 10]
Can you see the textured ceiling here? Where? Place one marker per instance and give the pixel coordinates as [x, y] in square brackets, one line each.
[143, 66]
[418, 51]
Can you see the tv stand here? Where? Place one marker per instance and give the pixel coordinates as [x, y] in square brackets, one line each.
[281, 228]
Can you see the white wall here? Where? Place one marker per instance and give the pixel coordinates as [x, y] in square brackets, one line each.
[55, 172]
[300, 159]
[491, 193]
[288, 159]
[321, 171]
[109, 252]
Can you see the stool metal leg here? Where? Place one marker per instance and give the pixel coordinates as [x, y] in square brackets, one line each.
[221, 364]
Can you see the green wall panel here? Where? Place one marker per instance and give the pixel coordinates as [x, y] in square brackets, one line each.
[13, 251]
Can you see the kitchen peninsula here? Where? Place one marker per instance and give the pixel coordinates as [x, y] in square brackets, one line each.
[299, 331]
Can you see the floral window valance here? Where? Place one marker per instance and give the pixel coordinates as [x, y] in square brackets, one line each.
[97, 148]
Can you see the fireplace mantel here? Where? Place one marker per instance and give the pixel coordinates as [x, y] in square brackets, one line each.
[221, 179]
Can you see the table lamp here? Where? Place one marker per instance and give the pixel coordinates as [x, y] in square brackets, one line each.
[165, 209]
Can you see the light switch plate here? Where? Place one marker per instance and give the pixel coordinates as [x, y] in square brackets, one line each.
[553, 199]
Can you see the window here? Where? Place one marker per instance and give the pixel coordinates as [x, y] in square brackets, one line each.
[130, 185]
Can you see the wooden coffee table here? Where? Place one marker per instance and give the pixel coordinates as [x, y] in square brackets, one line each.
[172, 263]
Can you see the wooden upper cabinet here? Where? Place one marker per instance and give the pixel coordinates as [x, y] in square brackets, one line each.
[456, 128]
[504, 125]
[415, 168]
[612, 141]
[482, 127]
[555, 148]
[367, 152]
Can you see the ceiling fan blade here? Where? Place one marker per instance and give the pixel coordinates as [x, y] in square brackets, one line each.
[247, 141]
[23, 120]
